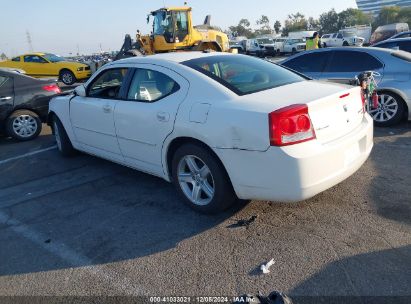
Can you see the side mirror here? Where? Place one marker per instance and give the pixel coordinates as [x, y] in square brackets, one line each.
[80, 91]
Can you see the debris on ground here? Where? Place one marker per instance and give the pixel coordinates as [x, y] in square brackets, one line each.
[243, 222]
[265, 268]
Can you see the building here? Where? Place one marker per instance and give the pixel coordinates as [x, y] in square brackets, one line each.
[374, 6]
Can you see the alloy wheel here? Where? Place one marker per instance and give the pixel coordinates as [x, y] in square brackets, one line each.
[67, 78]
[196, 180]
[386, 110]
[25, 126]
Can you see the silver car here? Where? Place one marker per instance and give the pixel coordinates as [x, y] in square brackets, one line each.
[343, 64]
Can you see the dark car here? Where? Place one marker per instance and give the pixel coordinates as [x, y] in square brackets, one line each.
[403, 44]
[24, 103]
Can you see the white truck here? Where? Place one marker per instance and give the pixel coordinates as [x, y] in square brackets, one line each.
[341, 39]
[292, 45]
[363, 31]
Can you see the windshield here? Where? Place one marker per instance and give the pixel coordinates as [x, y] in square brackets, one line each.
[265, 41]
[54, 58]
[163, 22]
[243, 74]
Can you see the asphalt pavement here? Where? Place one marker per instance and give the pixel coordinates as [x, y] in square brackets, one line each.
[85, 226]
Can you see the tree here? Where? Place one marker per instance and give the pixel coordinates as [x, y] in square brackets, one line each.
[393, 14]
[265, 28]
[328, 22]
[313, 24]
[351, 17]
[277, 27]
[3, 57]
[295, 22]
[242, 29]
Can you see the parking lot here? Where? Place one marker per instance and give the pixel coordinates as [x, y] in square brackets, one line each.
[84, 226]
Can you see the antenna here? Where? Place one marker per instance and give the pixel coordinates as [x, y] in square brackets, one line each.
[29, 41]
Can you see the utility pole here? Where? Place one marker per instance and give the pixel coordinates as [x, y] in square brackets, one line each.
[29, 41]
[78, 50]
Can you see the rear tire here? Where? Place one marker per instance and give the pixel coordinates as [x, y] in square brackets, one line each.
[63, 141]
[23, 125]
[345, 43]
[390, 111]
[201, 179]
[324, 45]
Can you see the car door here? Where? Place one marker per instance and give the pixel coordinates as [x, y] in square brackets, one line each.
[333, 40]
[146, 117]
[344, 66]
[92, 116]
[311, 64]
[36, 66]
[6, 95]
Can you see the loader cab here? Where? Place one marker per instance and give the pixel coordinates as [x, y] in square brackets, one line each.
[170, 26]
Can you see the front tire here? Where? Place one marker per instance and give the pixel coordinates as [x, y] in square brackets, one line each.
[201, 179]
[67, 77]
[345, 43]
[23, 125]
[63, 141]
[390, 110]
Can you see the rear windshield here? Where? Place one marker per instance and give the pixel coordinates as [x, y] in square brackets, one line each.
[402, 55]
[243, 74]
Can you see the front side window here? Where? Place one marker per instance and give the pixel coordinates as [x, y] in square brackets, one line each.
[313, 62]
[339, 36]
[351, 61]
[242, 74]
[151, 86]
[34, 59]
[107, 84]
[16, 59]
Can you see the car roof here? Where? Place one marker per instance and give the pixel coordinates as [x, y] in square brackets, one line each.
[176, 57]
[393, 40]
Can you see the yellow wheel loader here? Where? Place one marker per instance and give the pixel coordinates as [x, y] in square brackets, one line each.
[173, 30]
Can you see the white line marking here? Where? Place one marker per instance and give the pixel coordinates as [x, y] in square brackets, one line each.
[27, 155]
[59, 249]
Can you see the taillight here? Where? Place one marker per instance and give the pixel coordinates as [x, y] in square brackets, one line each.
[52, 88]
[290, 125]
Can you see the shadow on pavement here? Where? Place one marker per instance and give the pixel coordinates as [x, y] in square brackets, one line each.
[115, 217]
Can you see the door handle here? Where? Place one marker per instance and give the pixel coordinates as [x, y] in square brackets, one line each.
[107, 109]
[163, 116]
[4, 98]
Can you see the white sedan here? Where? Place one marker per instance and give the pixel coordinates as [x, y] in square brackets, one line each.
[219, 126]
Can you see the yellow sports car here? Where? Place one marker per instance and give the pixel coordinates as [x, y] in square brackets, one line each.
[45, 65]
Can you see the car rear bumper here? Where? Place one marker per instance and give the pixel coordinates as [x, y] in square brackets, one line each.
[295, 173]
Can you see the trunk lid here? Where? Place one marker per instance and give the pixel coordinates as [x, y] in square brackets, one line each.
[334, 109]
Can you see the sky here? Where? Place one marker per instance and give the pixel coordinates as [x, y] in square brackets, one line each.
[63, 27]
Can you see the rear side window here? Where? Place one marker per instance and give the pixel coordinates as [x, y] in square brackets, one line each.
[243, 74]
[351, 61]
[150, 86]
[314, 62]
[107, 84]
[16, 59]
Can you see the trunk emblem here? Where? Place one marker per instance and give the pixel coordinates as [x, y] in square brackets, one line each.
[345, 108]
